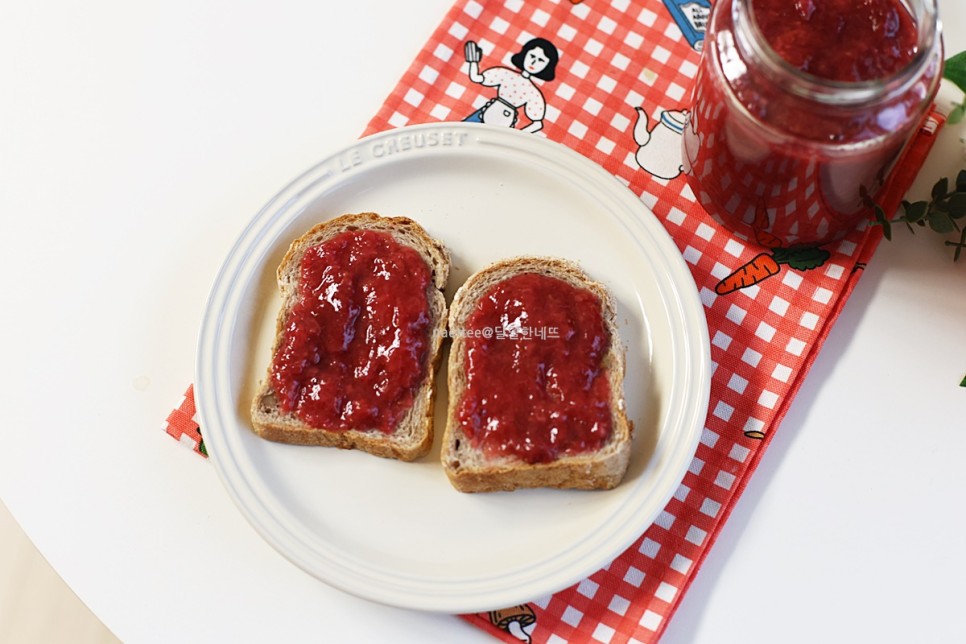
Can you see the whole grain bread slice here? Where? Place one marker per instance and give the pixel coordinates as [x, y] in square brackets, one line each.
[469, 469]
[413, 435]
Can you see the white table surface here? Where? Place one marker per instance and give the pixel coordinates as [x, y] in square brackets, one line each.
[137, 138]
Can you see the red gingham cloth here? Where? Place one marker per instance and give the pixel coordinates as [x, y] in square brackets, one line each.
[618, 62]
[182, 423]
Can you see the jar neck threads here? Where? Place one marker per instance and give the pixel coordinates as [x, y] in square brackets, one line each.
[755, 49]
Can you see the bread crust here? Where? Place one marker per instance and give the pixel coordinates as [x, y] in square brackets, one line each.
[413, 437]
[468, 470]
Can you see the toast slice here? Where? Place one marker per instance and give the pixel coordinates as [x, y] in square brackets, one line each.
[469, 466]
[411, 436]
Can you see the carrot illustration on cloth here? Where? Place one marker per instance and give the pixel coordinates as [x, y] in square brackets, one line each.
[758, 269]
[766, 264]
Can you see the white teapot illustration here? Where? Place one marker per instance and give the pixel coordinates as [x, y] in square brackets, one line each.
[659, 150]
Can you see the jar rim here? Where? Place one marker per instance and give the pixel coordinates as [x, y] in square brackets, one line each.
[750, 37]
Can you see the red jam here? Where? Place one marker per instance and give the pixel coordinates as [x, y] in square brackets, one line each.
[788, 141]
[840, 40]
[535, 386]
[354, 347]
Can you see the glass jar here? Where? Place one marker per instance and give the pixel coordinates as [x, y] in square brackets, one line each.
[788, 158]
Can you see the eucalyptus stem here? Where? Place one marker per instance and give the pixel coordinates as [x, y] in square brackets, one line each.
[942, 213]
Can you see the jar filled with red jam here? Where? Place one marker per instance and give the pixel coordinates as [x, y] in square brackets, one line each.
[801, 109]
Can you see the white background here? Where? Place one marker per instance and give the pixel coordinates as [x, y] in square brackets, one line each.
[137, 139]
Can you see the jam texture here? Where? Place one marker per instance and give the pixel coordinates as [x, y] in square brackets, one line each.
[839, 40]
[354, 347]
[536, 387]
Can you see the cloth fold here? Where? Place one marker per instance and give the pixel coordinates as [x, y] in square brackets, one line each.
[617, 92]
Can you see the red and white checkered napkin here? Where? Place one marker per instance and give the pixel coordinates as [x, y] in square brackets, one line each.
[623, 76]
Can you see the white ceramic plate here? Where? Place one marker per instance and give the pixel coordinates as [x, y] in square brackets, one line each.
[398, 533]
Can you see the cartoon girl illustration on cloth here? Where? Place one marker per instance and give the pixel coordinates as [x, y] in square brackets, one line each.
[514, 89]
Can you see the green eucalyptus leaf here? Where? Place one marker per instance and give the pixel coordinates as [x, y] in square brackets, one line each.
[915, 211]
[940, 222]
[940, 189]
[961, 181]
[955, 70]
[886, 229]
[882, 220]
[878, 213]
[956, 204]
[956, 114]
